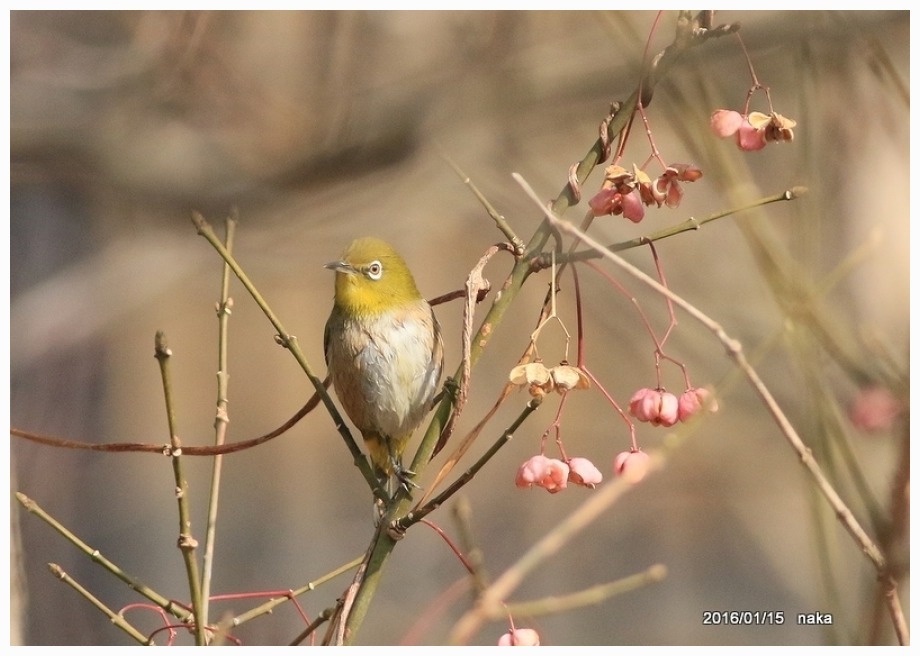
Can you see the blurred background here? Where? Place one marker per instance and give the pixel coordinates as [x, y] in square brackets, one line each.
[317, 127]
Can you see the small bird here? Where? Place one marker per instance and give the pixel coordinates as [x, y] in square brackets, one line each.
[383, 349]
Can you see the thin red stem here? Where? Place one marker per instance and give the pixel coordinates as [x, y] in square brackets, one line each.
[616, 406]
[755, 82]
[664, 283]
[632, 299]
[656, 154]
[450, 543]
[555, 425]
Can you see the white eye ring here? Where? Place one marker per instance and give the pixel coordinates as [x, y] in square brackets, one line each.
[374, 270]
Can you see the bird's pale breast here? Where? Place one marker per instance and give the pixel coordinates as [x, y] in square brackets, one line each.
[385, 368]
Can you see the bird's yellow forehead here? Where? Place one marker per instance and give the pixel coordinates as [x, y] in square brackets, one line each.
[372, 278]
[368, 249]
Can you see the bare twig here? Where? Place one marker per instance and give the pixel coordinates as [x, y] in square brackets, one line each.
[114, 617]
[221, 421]
[500, 222]
[271, 604]
[588, 597]
[187, 543]
[177, 610]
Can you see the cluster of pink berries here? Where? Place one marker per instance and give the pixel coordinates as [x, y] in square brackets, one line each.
[661, 408]
[656, 406]
[752, 131]
[627, 192]
[554, 475]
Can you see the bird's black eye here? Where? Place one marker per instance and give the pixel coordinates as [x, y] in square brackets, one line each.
[374, 270]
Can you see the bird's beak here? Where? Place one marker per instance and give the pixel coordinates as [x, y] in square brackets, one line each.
[340, 266]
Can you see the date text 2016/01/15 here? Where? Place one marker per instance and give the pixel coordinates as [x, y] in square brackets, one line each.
[743, 617]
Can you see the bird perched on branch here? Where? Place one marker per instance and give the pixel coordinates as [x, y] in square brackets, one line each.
[383, 349]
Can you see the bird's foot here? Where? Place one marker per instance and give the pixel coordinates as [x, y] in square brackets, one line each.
[404, 475]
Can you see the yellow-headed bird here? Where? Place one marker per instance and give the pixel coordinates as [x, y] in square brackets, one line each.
[383, 349]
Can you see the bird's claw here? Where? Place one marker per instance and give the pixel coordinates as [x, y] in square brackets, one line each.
[405, 482]
[403, 476]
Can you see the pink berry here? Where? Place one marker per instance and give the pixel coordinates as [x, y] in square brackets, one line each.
[874, 409]
[751, 138]
[725, 122]
[644, 404]
[548, 473]
[631, 465]
[693, 401]
[583, 472]
[606, 201]
[519, 638]
[555, 477]
[632, 206]
[667, 410]
[531, 472]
